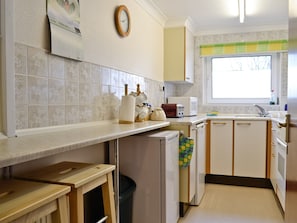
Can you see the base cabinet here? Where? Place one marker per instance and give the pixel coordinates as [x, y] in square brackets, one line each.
[250, 148]
[238, 148]
[221, 133]
[187, 175]
[273, 162]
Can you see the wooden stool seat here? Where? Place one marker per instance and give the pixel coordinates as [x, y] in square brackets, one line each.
[82, 177]
[27, 202]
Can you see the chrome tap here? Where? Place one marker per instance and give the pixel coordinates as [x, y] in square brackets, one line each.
[262, 112]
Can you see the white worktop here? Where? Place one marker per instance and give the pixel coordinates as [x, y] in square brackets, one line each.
[38, 145]
[187, 120]
[35, 145]
[203, 117]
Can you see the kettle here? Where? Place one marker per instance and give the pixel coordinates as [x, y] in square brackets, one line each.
[158, 115]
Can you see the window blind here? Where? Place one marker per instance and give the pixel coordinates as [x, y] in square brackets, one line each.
[244, 48]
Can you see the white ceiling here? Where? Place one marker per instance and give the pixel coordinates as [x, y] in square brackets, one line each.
[221, 16]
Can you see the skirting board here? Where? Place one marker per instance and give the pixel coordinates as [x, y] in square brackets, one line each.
[238, 181]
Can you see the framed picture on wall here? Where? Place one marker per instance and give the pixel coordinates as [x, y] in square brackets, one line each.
[64, 20]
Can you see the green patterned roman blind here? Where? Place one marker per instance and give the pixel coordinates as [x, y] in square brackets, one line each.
[244, 47]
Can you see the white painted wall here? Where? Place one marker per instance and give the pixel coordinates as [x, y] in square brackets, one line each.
[140, 53]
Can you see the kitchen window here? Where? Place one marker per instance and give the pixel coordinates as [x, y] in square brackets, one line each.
[241, 79]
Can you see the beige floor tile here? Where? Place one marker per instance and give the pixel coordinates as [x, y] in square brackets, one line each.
[233, 204]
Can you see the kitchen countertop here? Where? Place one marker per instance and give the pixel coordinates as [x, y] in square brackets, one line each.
[203, 117]
[187, 120]
[38, 145]
[239, 117]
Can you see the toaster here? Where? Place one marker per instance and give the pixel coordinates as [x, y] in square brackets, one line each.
[173, 110]
[190, 104]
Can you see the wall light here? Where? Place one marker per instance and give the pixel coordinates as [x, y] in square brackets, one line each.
[241, 9]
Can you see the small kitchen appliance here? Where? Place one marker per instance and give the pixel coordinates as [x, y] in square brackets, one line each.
[173, 110]
[190, 104]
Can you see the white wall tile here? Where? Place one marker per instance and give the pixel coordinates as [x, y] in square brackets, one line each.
[58, 91]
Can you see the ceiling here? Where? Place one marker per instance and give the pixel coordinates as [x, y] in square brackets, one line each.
[221, 16]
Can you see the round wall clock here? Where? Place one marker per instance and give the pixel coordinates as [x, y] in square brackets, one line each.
[122, 20]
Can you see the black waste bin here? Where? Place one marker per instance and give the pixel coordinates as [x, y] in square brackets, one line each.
[127, 187]
[93, 202]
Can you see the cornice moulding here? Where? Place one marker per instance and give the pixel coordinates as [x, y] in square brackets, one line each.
[151, 8]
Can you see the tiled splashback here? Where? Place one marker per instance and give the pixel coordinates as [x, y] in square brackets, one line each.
[51, 90]
[197, 89]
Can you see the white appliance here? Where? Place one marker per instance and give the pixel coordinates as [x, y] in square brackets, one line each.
[200, 162]
[190, 104]
[151, 160]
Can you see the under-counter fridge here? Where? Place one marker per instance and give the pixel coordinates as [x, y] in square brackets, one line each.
[151, 160]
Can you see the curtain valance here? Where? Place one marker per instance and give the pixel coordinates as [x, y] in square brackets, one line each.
[244, 47]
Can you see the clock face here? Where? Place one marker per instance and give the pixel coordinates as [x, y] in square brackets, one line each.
[122, 20]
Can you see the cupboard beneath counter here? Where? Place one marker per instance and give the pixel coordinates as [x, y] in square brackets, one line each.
[192, 177]
[187, 175]
[238, 148]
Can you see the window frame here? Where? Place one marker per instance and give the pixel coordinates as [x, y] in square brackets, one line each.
[275, 70]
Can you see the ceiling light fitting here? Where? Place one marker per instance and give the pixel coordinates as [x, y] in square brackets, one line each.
[241, 9]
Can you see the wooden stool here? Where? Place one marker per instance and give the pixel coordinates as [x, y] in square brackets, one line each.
[28, 202]
[82, 177]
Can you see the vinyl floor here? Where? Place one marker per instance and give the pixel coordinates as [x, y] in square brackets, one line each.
[234, 204]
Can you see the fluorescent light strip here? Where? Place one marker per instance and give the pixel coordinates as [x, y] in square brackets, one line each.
[241, 8]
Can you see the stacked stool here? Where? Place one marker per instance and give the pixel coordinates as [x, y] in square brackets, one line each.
[28, 202]
[82, 177]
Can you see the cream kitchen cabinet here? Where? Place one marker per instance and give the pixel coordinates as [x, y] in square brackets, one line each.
[250, 148]
[187, 175]
[238, 148]
[273, 157]
[178, 55]
[221, 140]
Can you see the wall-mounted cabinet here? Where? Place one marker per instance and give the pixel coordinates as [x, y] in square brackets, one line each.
[178, 55]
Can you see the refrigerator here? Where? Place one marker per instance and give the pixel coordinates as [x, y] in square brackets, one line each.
[151, 160]
[291, 176]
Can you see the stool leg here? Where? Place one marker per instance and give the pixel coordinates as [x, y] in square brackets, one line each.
[76, 202]
[108, 199]
[62, 213]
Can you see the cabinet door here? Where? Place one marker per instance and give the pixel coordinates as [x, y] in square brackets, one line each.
[189, 60]
[273, 160]
[174, 54]
[192, 167]
[250, 148]
[221, 153]
[178, 55]
[187, 175]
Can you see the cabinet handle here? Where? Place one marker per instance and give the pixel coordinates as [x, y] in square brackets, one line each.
[219, 123]
[245, 123]
[287, 126]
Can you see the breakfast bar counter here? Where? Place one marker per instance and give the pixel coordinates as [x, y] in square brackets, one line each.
[38, 145]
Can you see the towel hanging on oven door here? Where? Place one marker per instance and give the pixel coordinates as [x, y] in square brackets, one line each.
[186, 146]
